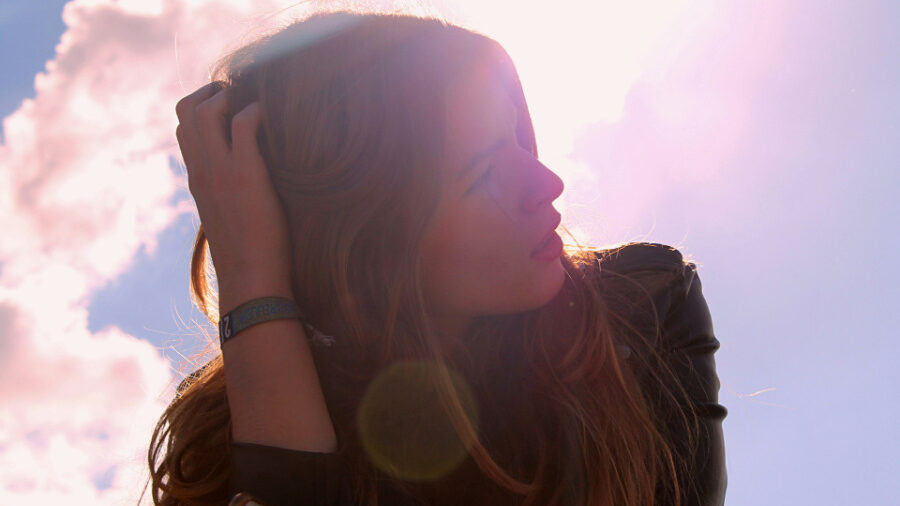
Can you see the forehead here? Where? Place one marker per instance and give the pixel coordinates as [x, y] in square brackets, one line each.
[479, 111]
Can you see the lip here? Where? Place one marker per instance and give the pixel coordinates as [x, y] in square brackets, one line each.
[549, 252]
[548, 234]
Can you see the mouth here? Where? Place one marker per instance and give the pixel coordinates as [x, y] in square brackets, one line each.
[544, 243]
[550, 251]
[549, 236]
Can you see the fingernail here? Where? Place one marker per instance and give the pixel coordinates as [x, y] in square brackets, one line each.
[243, 499]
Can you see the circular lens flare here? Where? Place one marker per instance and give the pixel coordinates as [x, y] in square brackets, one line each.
[403, 426]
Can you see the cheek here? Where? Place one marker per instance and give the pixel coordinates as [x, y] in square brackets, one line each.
[469, 241]
[468, 264]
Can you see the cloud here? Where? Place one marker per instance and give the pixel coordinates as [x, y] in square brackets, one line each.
[85, 183]
[684, 118]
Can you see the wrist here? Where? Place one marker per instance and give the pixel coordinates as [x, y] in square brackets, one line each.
[236, 291]
[254, 312]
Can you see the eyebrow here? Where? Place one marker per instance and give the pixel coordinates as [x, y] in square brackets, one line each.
[479, 157]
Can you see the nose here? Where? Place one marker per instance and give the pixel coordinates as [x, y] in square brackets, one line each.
[546, 187]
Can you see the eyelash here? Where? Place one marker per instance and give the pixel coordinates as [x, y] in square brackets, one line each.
[482, 178]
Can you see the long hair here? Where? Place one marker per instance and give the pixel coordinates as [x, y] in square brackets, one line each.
[352, 131]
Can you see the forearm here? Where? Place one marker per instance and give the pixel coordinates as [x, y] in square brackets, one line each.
[273, 389]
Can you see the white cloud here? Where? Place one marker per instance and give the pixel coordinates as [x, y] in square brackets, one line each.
[85, 183]
[683, 117]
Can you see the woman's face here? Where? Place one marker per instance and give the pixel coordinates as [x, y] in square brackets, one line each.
[492, 215]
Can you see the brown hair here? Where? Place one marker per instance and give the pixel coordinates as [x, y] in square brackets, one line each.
[353, 111]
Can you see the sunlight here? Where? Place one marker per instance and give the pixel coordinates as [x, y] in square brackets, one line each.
[577, 62]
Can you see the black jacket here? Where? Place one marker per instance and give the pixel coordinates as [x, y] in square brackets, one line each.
[279, 476]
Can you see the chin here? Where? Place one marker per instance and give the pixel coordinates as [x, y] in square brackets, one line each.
[548, 287]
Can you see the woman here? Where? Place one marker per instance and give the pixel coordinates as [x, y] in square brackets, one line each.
[381, 172]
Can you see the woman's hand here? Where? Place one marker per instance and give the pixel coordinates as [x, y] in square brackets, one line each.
[273, 389]
[240, 214]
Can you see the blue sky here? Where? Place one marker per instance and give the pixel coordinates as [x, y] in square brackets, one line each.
[34, 29]
[765, 147]
[31, 31]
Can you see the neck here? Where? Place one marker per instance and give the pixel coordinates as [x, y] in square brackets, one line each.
[451, 327]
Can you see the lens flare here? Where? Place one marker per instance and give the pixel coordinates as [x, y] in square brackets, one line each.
[403, 426]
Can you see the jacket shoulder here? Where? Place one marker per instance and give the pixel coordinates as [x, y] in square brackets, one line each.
[658, 289]
[640, 256]
[635, 270]
[631, 276]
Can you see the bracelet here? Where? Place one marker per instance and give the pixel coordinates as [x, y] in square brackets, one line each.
[256, 311]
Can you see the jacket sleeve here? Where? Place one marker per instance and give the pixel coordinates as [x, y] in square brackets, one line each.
[275, 476]
[687, 344]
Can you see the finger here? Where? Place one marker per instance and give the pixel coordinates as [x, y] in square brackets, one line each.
[210, 126]
[184, 109]
[186, 154]
[191, 162]
[245, 147]
[186, 132]
[192, 154]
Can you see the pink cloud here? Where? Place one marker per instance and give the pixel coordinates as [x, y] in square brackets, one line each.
[683, 120]
[85, 183]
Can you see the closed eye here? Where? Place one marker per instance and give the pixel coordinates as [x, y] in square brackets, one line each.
[481, 179]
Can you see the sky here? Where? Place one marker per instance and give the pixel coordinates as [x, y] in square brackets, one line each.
[759, 138]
